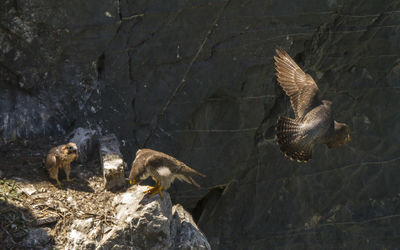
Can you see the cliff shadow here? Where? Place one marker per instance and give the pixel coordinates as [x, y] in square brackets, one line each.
[23, 161]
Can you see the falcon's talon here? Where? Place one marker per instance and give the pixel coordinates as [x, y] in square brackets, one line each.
[154, 190]
[70, 179]
[58, 183]
[150, 189]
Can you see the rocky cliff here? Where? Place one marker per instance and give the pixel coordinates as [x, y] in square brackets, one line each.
[195, 79]
[140, 223]
[83, 214]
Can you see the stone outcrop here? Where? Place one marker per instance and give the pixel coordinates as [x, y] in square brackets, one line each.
[185, 232]
[112, 162]
[139, 223]
[85, 139]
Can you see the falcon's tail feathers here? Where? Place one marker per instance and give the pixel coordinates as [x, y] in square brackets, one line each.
[289, 140]
[192, 172]
[200, 174]
[189, 180]
[194, 182]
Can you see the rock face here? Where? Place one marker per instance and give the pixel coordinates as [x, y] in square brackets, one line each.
[112, 162]
[185, 232]
[196, 80]
[85, 139]
[140, 223]
[49, 64]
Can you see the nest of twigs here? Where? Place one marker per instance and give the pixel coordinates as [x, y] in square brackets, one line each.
[30, 199]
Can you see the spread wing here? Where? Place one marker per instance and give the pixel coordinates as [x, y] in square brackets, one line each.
[299, 86]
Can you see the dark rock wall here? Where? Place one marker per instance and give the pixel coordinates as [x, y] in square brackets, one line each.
[49, 54]
[195, 79]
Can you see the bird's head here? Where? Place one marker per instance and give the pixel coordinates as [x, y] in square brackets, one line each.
[341, 135]
[71, 150]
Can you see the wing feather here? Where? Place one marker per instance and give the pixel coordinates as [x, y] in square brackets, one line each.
[159, 159]
[299, 86]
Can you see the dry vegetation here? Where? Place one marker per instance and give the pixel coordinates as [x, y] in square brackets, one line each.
[29, 199]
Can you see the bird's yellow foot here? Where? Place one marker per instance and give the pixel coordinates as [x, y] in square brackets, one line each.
[154, 190]
[58, 183]
[70, 179]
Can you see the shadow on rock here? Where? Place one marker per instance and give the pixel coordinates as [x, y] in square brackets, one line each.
[17, 229]
[80, 176]
[23, 161]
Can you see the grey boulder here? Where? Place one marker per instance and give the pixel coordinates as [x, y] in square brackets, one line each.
[139, 222]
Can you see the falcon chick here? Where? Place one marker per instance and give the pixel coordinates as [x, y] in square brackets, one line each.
[61, 157]
[313, 122]
[164, 169]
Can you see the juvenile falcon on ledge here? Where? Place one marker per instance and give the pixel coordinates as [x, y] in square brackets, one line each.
[313, 122]
[164, 169]
[61, 157]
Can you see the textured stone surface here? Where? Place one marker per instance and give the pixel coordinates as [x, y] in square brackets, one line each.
[195, 79]
[139, 223]
[37, 238]
[85, 139]
[112, 162]
[49, 63]
[185, 232]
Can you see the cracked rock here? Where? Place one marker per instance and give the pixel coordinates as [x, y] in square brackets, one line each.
[85, 140]
[112, 163]
[139, 222]
[186, 233]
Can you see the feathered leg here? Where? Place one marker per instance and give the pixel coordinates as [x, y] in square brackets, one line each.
[53, 172]
[67, 170]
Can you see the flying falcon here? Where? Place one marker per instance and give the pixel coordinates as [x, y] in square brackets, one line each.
[313, 122]
[164, 169]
